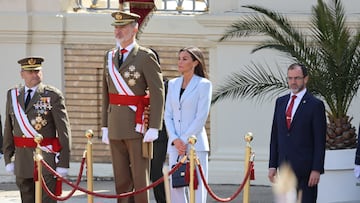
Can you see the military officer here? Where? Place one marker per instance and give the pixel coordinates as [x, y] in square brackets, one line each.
[128, 72]
[35, 108]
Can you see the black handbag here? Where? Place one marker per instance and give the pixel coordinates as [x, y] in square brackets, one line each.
[181, 177]
[178, 177]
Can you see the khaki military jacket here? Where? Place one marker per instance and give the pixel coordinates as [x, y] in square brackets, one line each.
[120, 120]
[54, 122]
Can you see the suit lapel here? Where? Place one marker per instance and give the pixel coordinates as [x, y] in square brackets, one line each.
[300, 108]
[192, 84]
[177, 88]
[21, 97]
[116, 59]
[283, 106]
[131, 55]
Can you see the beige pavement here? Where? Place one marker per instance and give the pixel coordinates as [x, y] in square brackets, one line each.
[258, 194]
[104, 184]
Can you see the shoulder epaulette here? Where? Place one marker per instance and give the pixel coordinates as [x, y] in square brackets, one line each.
[52, 89]
[17, 87]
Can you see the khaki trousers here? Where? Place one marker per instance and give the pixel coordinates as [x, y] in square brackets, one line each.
[131, 169]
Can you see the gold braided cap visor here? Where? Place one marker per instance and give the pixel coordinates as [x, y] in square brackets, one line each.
[124, 18]
[31, 67]
[31, 63]
[122, 22]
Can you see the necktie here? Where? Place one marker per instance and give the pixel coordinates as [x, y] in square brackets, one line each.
[28, 97]
[289, 110]
[121, 56]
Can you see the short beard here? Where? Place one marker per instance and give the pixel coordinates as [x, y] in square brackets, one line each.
[297, 90]
[117, 43]
[127, 39]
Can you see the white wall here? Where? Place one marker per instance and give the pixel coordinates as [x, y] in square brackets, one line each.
[30, 28]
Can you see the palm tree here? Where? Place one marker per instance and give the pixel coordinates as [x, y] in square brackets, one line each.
[331, 52]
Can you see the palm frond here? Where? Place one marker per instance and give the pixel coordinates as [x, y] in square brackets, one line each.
[283, 36]
[331, 53]
[336, 51]
[255, 81]
[281, 21]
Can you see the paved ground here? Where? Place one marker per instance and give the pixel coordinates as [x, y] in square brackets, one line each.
[258, 194]
[104, 184]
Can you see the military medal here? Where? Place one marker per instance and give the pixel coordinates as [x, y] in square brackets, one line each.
[38, 126]
[136, 75]
[42, 107]
[38, 119]
[132, 82]
[131, 75]
[132, 68]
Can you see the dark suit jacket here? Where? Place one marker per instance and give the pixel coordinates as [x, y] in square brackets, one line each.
[163, 137]
[1, 137]
[303, 145]
[357, 156]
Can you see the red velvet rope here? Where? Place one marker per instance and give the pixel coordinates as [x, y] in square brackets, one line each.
[53, 196]
[126, 194]
[228, 199]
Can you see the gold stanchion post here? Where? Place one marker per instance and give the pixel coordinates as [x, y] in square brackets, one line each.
[89, 134]
[38, 157]
[192, 141]
[248, 139]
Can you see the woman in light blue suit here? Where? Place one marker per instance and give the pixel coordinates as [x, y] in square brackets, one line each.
[186, 110]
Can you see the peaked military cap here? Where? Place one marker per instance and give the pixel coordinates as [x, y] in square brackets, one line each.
[123, 18]
[31, 63]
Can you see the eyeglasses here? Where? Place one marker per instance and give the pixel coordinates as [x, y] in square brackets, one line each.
[294, 78]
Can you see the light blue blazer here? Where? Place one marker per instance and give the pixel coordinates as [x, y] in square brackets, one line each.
[187, 116]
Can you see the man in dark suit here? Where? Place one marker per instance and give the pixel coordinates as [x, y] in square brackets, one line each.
[298, 134]
[159, 157]
[157, 163]
[357, 158]
[31, 109]
[129, 71]
[158, 160]
[1, 139]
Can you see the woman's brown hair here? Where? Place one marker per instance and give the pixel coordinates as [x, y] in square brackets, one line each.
[197, 55]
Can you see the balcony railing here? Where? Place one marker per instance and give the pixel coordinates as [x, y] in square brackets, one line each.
[176, 6]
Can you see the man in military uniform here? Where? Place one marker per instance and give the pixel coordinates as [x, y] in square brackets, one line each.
[128, 72]
[35, 108]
